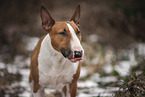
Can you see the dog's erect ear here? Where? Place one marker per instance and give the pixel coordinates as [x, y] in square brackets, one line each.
[47, 20]
[76, 16]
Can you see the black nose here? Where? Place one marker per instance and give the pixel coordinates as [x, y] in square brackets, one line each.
[77, 54]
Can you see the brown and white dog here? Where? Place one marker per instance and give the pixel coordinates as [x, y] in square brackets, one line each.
[55, 61]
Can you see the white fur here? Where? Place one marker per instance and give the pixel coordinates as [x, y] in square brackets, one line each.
[52, 73]
[75, 42]
[67, 91]
[31, 86]
[62, 93]
[40, 92]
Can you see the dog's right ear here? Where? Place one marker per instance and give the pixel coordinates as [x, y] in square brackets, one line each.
[76, 16]
[47, 20]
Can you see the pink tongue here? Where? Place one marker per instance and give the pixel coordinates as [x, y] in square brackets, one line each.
[76, 59]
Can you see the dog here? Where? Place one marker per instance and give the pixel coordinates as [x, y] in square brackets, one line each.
[56, 59]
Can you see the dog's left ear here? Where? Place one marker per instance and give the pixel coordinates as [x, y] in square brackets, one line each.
[47, 20]
[76, 16]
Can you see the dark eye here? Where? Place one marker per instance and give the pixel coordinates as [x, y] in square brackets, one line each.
[78, 32]
[62, 33]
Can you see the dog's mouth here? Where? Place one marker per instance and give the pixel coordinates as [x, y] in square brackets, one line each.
[72, 56]
[76, 59]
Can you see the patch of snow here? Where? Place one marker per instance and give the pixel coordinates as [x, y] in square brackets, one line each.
[84, 72]
[141, 49]
[96, 91]
[2, 74]
[101, 92]
[109, 56]
[24, 72]
[132, 59]
[96, 77]
[25, 94]
[106, 95]
[25, 77]
[27, 62]
[30, 42]
[19, 61]
[48, 91]
[95, 61]
[88, 83]
[123, 68]
[108, 79]
[139, 72]
[15, 84]
[12, 68]
[25, 82]
[112, 89]
[108, 68]
[93, 38]
[2, 65]
[84, 95]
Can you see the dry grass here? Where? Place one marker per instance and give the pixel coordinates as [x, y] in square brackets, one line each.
[134, 86]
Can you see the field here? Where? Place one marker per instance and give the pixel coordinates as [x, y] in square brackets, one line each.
[113, 40]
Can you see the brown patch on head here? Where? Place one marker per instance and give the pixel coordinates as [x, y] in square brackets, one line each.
[60, 36]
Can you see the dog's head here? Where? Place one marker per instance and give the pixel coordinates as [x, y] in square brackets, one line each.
[65, 36]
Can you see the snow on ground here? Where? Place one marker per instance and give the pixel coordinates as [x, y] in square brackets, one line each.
[123, 68]
[84, 72]
[25, 82]
[90, 86]
[86, 88]
[2, 65]
[108, 68]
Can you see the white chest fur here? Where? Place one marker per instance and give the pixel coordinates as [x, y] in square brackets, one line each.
[55, 71]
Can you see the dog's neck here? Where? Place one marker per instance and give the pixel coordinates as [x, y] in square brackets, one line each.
[48, 55]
